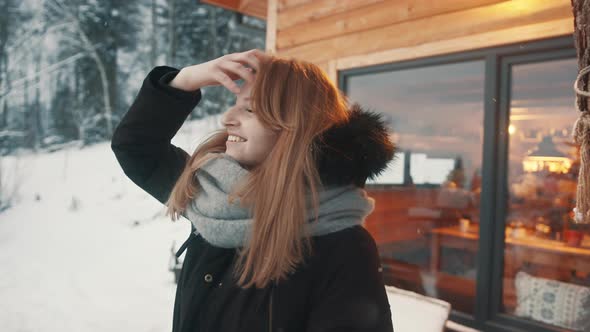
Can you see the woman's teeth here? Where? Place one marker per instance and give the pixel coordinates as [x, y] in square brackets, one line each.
[233, 138]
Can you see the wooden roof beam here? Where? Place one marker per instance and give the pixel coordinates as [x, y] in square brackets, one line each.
[256, 8]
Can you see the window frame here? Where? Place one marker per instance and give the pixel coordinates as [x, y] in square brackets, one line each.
[498, 62]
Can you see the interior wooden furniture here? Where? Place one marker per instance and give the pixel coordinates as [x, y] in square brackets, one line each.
[542, 257]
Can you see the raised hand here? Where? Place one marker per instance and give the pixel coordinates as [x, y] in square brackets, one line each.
[221, 71]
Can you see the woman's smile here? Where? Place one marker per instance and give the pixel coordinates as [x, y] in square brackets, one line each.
[240, 119]
[235, 139]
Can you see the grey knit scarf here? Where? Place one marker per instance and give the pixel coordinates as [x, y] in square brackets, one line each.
[228, 225]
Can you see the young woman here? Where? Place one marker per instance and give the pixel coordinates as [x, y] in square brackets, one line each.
[275, 199]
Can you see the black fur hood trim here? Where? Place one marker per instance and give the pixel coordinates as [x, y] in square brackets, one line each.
[355, 151]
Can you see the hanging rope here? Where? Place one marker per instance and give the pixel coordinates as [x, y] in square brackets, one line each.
[581, 135]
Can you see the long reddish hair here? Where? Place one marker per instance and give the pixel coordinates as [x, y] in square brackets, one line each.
[297, 99]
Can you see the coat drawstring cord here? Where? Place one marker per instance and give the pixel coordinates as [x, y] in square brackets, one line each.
[185, 244]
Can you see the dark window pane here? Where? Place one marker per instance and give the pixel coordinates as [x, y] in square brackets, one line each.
[546, 262]
[427, 202]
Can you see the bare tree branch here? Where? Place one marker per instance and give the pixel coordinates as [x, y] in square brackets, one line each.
[94, 55]
[19, 83]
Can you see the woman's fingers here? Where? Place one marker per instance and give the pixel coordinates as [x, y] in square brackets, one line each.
[222, 71]
[251, 58]
[243, 65]
[236, 70]
[247, 58]
[244, 72]
[227, 82]
[260, 55]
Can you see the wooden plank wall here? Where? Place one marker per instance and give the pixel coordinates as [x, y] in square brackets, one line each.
[342, 34]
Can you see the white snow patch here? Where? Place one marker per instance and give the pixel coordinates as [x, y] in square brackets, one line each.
[85, 249]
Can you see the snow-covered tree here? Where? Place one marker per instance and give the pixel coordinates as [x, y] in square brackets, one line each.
[69, 69]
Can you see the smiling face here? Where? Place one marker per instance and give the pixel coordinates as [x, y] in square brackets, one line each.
[241, 122]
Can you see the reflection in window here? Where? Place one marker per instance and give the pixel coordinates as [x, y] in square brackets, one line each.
[394, 173]
[428, 170]
[427, 211]
[546, 261]
[423, 170]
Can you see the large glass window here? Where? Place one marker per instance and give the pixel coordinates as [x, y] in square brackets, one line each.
[427, 212]
[524, 257]
[546, 258]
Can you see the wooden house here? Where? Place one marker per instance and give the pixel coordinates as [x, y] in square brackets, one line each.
[473, 90]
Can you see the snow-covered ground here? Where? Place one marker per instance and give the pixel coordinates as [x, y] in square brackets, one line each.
[85, 249]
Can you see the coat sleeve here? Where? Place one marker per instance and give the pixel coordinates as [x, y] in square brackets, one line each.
[349, 295]
[141, 141]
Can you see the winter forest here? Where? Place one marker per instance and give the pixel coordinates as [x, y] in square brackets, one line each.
[69, 69]
[82, 248]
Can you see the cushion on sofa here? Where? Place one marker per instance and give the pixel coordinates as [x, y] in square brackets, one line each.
[552, 302]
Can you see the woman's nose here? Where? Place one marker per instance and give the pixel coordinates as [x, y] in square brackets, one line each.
[228, 118]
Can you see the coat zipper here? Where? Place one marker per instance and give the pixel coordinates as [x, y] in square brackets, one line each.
[270, 309]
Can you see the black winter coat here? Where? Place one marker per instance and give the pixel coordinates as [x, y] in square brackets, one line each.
[338, 289]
